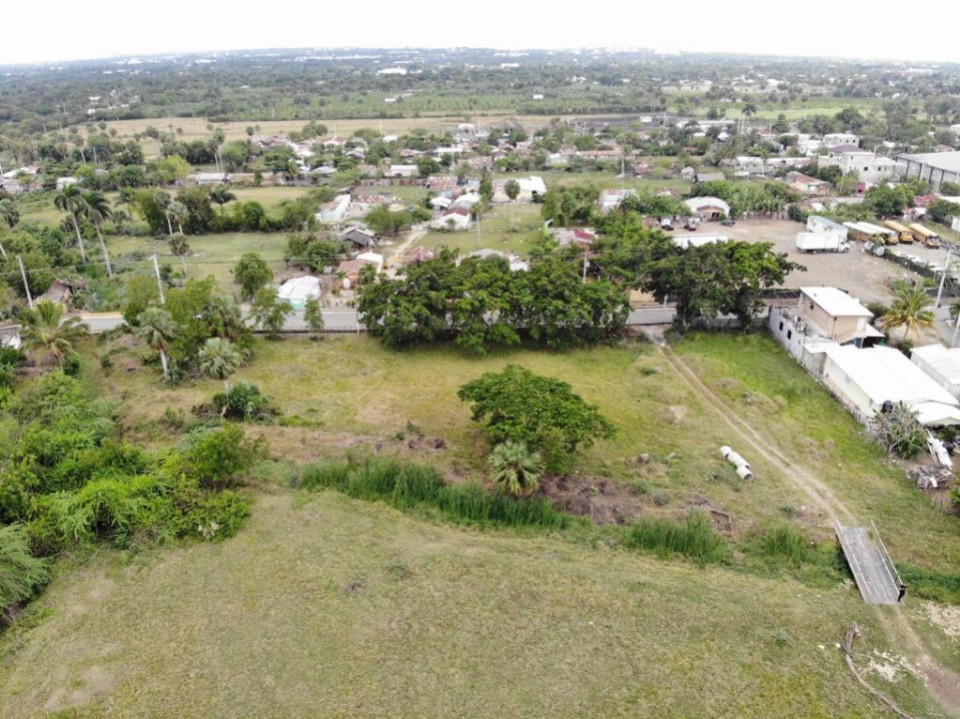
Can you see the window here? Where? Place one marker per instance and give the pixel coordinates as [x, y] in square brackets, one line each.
[781, 326]
[789, 334]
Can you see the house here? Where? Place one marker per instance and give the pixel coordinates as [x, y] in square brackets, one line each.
[62, 291]
[867, 381]
[351, 269]
[360, 237]
[867, 166]
[207, 179]
[440, 202]
[576, 236]
[403, 171]
[833, 139]
[708, 208]
[942, 365]
[530, 188]
[748, 164]
[806, 185]
[10, 336]
[416, 256]
[611, 199]
[63, 182]
[454, 219]
[334, 212]
[823, 317]
[298, 290]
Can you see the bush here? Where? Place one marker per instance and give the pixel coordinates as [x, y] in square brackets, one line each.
[407, 486]
[694, 538]
[217, 456]
[21, 574]
[243, 402]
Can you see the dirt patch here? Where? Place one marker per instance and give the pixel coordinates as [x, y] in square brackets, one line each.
[601, 500]
[892, 667]
[88, 685]
[946, 618]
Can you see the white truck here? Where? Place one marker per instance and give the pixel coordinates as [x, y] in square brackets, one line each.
[820, 242]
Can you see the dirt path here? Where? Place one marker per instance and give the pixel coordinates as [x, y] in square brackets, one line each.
[415, 234]
[941, 682]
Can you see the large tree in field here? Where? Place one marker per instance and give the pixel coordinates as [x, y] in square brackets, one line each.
[47, 334]
[544, 413]
[910, 309]
[221, 196]
[70, 200]
[251, 273]
[512, 190]
[9, 214]
[157, 328]
[97, 209]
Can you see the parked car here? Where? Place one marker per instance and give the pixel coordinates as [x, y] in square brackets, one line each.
[728, 222]
[666, 223]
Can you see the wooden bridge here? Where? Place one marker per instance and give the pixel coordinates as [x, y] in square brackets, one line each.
[876, 577]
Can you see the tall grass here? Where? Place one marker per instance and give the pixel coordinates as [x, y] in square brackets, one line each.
[926, 584]
[408, 486]
[694, 538]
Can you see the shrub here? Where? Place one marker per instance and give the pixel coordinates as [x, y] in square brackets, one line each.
[21, 574]
[215, 457]
[243, 401]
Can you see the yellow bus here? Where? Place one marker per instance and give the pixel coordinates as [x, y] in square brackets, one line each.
[927, 237]
[906, 236]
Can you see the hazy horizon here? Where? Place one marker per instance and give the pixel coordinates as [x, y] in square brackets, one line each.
[181, 27]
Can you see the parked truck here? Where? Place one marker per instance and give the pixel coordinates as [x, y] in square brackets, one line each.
[820, 242]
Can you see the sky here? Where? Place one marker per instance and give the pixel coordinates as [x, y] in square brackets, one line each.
[110, 28]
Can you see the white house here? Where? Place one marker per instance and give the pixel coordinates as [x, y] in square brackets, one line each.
[63, 182]
[611, 199]
[868, 167]
[403, 171]
[865, 380]
[708, 208]
[530, 187]
[455, 219]
[298, 290]
[10, 336]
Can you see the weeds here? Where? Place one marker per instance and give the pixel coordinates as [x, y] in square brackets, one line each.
[694, 538]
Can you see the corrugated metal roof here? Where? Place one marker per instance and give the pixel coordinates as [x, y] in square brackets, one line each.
[946, 362]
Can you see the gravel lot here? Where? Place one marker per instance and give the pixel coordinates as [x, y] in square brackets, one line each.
[862, 275]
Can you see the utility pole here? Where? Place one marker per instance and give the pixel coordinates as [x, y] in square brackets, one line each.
[156, 269]
[26, 287]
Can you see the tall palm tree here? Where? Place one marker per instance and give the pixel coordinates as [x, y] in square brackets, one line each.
[219, 358]
[909, 309]
[97, 209]
[70, 199]
[179, 213]
[163, 200]
[514, 468]
[157, 329]
[46, 333]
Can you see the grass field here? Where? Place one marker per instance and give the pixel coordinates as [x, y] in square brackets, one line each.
[330, 607]
[511, 227]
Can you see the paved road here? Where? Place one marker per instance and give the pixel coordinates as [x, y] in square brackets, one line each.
[347, 320]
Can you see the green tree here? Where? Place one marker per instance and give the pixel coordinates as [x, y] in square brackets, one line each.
[156, 327]
[268, 312]
[173, 169]
[70, 200]
[140, 292]
[313, 316]
[9, 214]
[180, 247]
[514, 468]
[251, 273]
[910, 309]
[219, 358]
[47, 334]
[885, 201]
[221, 196]
[542, 412]
[96, 208]
[512, 190]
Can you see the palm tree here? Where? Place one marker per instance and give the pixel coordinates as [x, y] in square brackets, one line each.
[97, 209]
[514, 468]
[158, 329]
[180, 247]
[179, 213]
[45, 332]
[219, 358]
[909, 309]
[221, 195]
[70, 199]
[164, 201]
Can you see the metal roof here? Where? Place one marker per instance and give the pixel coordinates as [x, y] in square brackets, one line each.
[949, 161]
[943, 361]
[836, 303]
